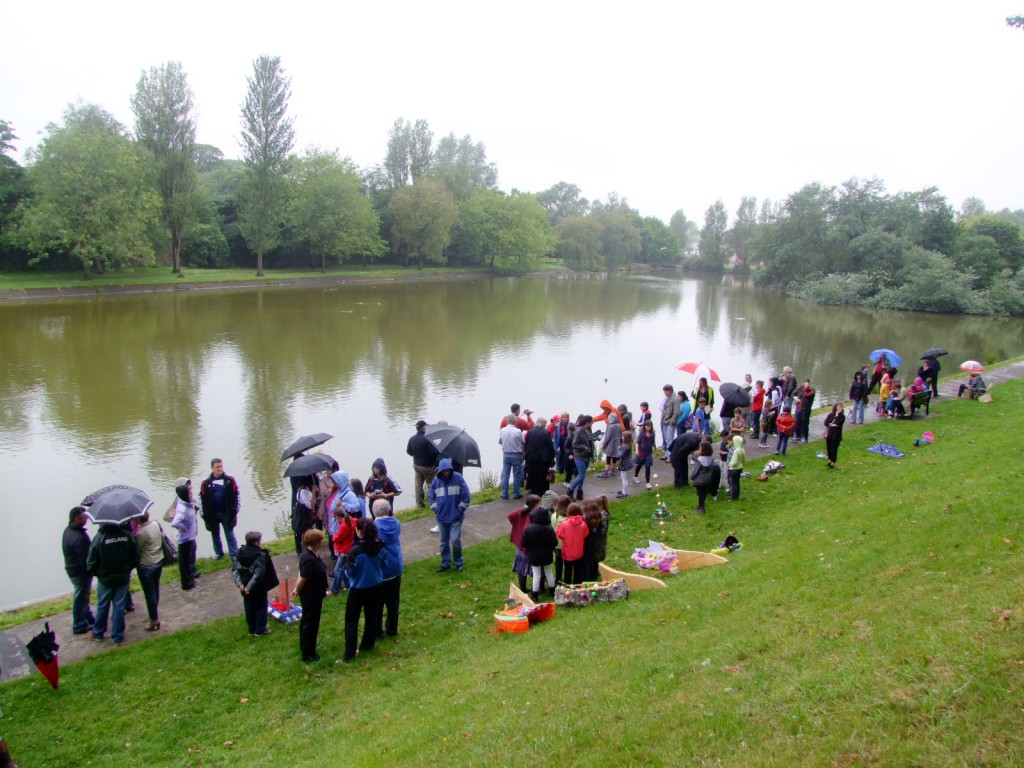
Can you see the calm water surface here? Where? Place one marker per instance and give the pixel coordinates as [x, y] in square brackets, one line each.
[143, 389]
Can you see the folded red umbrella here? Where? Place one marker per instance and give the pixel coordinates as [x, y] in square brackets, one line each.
[42, 649]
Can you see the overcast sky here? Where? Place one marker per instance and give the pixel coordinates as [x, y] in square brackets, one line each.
[670, 104]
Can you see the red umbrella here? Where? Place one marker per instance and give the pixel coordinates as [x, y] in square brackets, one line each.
[973, 366]
[43, 651]
[698, 370]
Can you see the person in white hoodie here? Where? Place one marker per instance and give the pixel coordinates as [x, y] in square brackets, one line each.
[184, 522]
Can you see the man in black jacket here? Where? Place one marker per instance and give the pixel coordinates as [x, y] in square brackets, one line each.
[76, 553]
[424, 460]
[113, 555]
[679, 451]
[219, 497]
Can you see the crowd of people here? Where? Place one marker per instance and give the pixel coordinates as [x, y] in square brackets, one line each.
[356, 522]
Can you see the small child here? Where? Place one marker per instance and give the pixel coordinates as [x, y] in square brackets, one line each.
[645, 445]
[559, 514]
[595, 546]
[572, 532]
[736, 461]
[540, 542]
[341, 542]
[884, 388]
[357, 488]
[701, 421]
[784, 424]
[738, 424]
[724, 454]
[625, 463]
[756, 404]
[645, 415]
[519, 519]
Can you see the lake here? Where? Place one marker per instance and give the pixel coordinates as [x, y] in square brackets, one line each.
[144, 388]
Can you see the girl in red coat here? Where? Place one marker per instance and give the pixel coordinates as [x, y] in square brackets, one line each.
[571, 532]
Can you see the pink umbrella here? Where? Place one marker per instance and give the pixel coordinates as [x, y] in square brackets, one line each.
[973, 366]
[698, 370]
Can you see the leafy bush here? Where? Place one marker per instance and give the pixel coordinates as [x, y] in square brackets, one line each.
[205, 246]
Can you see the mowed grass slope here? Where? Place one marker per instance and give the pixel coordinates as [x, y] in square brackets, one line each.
[874, 617]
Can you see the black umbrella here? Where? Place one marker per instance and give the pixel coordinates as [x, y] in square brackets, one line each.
[304, 443]
[304, 466]
[96, 494]
[115, 506]
[734, 395]
[42, 649]
[455, 443]
[934, 352]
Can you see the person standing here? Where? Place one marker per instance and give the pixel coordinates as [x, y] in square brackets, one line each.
[219, 497]
[859, 396]
[449, 498]
[834, 433]
[113, 555]
[364, 569]
[669, 416]
[255, 576]
[582, 450]
[311, 588]
[539, 452]
[510, 438]
[186, 525]
[424, 460]
[75, 544]
[150, 538]
[389, 531]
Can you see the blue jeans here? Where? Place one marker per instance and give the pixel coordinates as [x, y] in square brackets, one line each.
[229, 536]
[513, 461]
[581, 475]
[149, 578]
[255, 604]
[339, 567]
[81, 616]
[782, 444]
[668, 434]
[858, 412]
[450, 535]
[107, 597]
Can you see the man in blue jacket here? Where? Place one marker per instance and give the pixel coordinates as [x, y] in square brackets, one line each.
[449, 498]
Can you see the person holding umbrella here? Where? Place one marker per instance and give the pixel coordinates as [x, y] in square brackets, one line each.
[113, 555]
[75, 544]
[424, 460]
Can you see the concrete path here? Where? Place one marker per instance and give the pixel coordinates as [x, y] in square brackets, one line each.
[216, 595]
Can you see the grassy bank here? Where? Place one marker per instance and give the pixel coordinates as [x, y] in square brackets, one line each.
[874, 617]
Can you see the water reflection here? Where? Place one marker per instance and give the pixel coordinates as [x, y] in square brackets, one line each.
[142, 389]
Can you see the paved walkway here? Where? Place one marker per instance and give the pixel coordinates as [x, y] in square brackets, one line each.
[216, 595]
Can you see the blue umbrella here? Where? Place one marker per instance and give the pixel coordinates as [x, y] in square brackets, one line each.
[894, 360]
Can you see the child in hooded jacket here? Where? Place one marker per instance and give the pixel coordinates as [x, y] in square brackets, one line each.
[341, 543]
[784, 424]
[364, 569]
[572, 532]
[625, 462]
[559, 513]
[539, 541]
[736, 461]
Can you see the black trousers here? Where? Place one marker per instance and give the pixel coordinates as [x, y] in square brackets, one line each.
[575, 571]
[365, 601]
[309, 626]
[187, 563]
[390, 593]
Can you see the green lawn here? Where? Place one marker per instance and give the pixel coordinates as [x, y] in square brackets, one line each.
[873, 617]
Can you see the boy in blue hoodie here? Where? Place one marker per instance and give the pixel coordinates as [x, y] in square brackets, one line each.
[449, 498]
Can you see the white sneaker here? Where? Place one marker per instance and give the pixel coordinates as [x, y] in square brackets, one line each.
[434, 529]
[648, 486]
[636, 480]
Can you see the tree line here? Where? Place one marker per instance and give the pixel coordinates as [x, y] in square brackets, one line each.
[96, 196]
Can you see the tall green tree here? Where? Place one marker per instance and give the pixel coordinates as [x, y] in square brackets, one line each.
[462, 165]
[92, 197]
[713, 248]
[686, 231]
[409, 152]
[579, 243]
[268, 135]
[166, 127]
[328, 211]
[620, 239]
[423, 216]
[743, 229]
[659, 244]
[509, 233]
[562, 201]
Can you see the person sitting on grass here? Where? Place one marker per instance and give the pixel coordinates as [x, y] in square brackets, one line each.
[974, 388]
